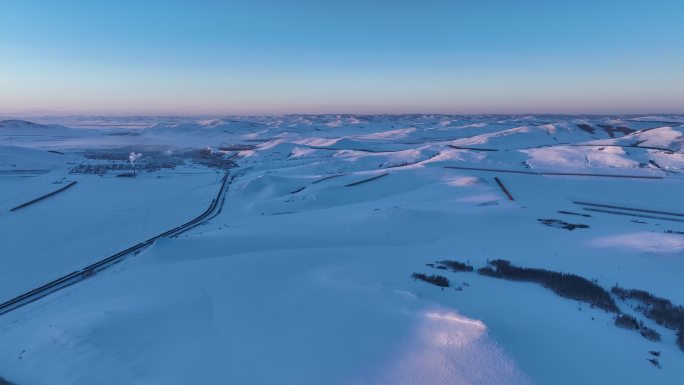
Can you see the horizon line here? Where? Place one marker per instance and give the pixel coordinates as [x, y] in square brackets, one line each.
[219, 115]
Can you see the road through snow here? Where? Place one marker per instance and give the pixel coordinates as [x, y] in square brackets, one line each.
[103, 264]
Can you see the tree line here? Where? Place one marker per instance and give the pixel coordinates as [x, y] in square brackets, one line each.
[566, 285]
[659, 309]
[434, 279]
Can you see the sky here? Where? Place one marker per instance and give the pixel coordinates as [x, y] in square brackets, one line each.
[150, 57]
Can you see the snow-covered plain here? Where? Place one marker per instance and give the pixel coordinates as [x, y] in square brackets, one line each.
[304, 277]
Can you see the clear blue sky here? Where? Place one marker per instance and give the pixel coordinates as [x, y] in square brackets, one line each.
[358, 56]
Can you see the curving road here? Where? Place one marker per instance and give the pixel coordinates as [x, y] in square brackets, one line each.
[88, 271]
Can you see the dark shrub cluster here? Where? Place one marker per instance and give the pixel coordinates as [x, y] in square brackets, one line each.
[649, 333]
[557, 223]
[455, 266]
[654, 362]
[659, 309]
[611, 130]
[626, 321]
[585, 127]
[566, 285]
[434, 279]
[5, 382]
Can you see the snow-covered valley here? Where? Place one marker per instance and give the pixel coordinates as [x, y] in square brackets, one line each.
[304, 274]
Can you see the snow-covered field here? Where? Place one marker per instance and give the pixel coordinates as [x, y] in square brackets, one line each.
[304, 277]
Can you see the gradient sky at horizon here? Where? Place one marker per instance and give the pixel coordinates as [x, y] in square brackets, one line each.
[354, 56]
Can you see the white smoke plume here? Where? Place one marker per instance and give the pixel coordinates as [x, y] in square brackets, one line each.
[134, 157]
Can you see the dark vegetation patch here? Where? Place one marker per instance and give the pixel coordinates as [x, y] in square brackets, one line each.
[654, 362]
[574, 213]
[3, 381]
[649, 333]
[658, 309]
[674, 232]
[559, 224]
[572, 286]
[566, 285]
[586, 127]
[611, 130]
[434, 279]
[627, 321]
[454, 266]
[661, 310]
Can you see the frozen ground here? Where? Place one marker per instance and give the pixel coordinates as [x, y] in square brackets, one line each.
[305, 275]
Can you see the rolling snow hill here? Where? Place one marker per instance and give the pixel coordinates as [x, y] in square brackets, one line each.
[306, 273]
